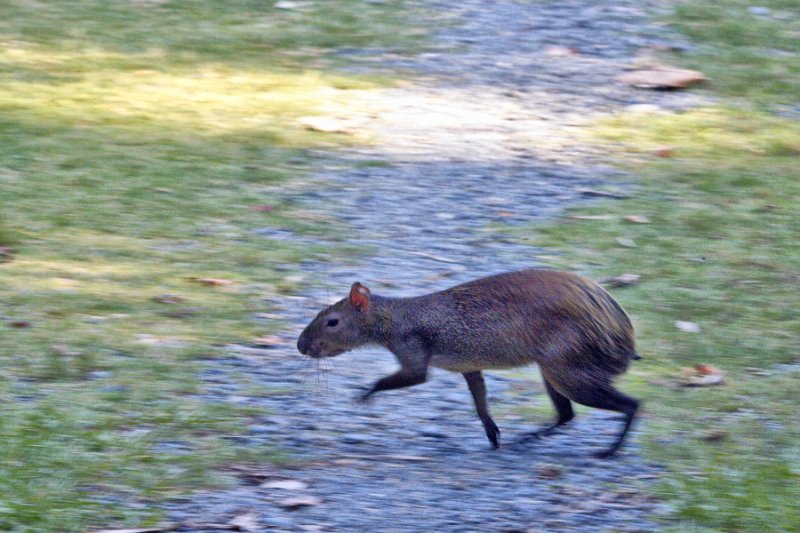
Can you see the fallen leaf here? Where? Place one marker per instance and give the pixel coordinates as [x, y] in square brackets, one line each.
[505, 214]
[161, 529]
[246, 522]
[285, 484]
[714, 435]
[623, 280]
[637, 219]
[263, 208]
[549, 471]
[662, 77]
[326, 124]
[559, 51]
[664, 151]
[702, 376]
[267, 341]
[626, 242]
[20, 324]
[688, 327]
[300, 502]
[215, 282]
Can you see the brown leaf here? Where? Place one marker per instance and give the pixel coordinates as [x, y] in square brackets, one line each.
[702, 376]
[300, 502]
[267, 341]
[714, 435]
[20, 324]
[662, 77]
[214, 282]
[264, 208]
[637, 219]
[326, 124]
[161, 529]
[549, 471]
[664, 151]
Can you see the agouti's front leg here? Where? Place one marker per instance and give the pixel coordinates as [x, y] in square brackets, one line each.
[398, 380]
[414, 363]
[478, 389]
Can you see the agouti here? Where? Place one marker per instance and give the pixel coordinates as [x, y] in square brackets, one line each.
[580, 337]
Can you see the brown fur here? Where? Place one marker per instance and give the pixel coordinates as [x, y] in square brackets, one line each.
[571, 327]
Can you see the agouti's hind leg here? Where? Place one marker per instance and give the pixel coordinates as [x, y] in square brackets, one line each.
[607, 397]
[563, 408]
[478, 389]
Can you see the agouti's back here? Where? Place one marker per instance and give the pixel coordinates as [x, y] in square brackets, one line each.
[515, 318]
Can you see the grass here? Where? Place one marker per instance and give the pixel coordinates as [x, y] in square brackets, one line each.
[143, 145]
[720, 250]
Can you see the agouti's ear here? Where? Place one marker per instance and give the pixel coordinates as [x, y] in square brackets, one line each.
[359, 297]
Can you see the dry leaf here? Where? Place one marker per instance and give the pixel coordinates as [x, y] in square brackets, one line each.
[326, 124]
[702, 376]
[714, 435]
[662, 77]
[637, 219]
[214, 282]
[137, 530]
[20, 324]
[559, 51]
[549, 471]
[300, 502]
[267, 341]
[264, 208]
[664, 151]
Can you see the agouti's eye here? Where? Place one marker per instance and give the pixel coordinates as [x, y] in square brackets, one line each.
[332, 322]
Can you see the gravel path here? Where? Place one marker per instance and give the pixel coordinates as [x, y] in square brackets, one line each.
[488, 133]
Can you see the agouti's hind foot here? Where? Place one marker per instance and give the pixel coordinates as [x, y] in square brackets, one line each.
[492, 432]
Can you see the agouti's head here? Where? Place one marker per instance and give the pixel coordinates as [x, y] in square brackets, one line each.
[338, 328]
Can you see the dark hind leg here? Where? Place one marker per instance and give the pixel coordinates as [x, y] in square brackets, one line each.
[607, 397]
[478, 389]
[563, 408]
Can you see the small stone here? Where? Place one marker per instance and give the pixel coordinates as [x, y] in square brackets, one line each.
[687, 327]
[285, 484]
[300, 502]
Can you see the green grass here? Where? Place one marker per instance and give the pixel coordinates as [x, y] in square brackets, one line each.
[142, 144]
[721, 250]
